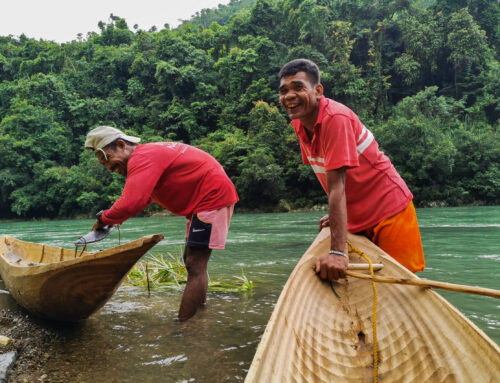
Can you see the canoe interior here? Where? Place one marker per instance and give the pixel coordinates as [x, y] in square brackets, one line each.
[313, 336]
[21, 253]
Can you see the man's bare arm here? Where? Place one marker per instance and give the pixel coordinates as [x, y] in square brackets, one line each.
[333, 266]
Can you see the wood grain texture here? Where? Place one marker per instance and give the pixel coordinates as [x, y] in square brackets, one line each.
[313, 336]
[53, 283]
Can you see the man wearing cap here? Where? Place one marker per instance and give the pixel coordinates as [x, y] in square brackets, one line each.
[184, 180]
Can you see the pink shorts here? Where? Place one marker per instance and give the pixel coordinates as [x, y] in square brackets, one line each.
[208, 229]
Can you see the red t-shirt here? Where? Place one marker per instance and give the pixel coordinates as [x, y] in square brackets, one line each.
[374, 189]
[181, 178]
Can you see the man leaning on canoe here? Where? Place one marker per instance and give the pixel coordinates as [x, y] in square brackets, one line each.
[366, 195]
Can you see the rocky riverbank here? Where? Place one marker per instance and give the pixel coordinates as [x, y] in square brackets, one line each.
[32, 341]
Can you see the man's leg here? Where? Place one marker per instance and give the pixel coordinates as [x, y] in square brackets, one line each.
[195, 293]
[205, 231]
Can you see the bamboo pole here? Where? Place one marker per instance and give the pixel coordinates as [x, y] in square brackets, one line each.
[362, 266]
[365, 266]
[428, 283]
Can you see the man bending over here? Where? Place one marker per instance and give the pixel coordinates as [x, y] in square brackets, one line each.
[182, 179]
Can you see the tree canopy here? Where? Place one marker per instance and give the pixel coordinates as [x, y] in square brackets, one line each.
[424, 76]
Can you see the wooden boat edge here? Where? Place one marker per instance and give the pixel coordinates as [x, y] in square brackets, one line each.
[87, 257]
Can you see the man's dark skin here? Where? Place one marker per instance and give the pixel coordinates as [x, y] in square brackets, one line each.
[300, 98]
[195, 259]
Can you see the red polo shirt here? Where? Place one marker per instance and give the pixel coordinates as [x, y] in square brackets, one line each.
[181, 178]
[374, 189]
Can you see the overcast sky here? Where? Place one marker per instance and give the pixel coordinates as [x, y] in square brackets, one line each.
[62, 20]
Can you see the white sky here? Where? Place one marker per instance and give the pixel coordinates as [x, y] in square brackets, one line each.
[62, 20]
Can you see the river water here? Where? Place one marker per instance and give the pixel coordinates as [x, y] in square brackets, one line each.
[136, 338]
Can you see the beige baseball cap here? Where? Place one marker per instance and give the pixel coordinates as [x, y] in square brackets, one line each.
[101, 136]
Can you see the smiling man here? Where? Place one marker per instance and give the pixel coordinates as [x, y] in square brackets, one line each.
[366, 195]
[184, 180]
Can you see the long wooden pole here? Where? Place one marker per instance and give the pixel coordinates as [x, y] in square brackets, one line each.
[427, 283]
[365, 266]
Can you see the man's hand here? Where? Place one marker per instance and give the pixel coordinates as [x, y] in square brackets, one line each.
[331, 266]
[97, 225]
[324, 222]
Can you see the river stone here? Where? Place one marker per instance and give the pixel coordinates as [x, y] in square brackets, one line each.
[4, 340]
[7, 360]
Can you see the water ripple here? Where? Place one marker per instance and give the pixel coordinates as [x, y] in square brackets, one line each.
[494, 257]
[168, 361]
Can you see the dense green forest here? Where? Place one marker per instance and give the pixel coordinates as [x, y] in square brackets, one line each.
[424, 76]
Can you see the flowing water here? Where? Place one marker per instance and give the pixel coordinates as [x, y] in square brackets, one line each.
[136, 338]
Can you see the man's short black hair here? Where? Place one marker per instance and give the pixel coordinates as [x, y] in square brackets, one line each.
[301, 65]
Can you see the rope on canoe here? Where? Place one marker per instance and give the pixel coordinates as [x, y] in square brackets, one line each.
[84, 247]
[374, 318]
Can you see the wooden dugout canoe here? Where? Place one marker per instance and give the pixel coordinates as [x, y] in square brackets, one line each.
[56, 283]
[312, 336]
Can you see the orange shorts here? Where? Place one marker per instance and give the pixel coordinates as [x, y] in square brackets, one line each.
[399, 236]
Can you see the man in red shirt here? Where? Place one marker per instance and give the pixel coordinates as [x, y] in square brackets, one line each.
[365, 192]
[182, 179]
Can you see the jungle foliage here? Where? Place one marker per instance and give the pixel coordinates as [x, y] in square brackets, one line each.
[424, 76]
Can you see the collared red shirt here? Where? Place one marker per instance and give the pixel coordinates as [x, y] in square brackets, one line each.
[374, 189]
[179, 177]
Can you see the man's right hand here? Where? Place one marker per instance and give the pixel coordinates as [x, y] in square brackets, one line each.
[324, 222]
[97, 225]
[331, 267]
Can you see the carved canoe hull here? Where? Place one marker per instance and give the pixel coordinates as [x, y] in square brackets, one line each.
[313, 336]
[53, 283]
